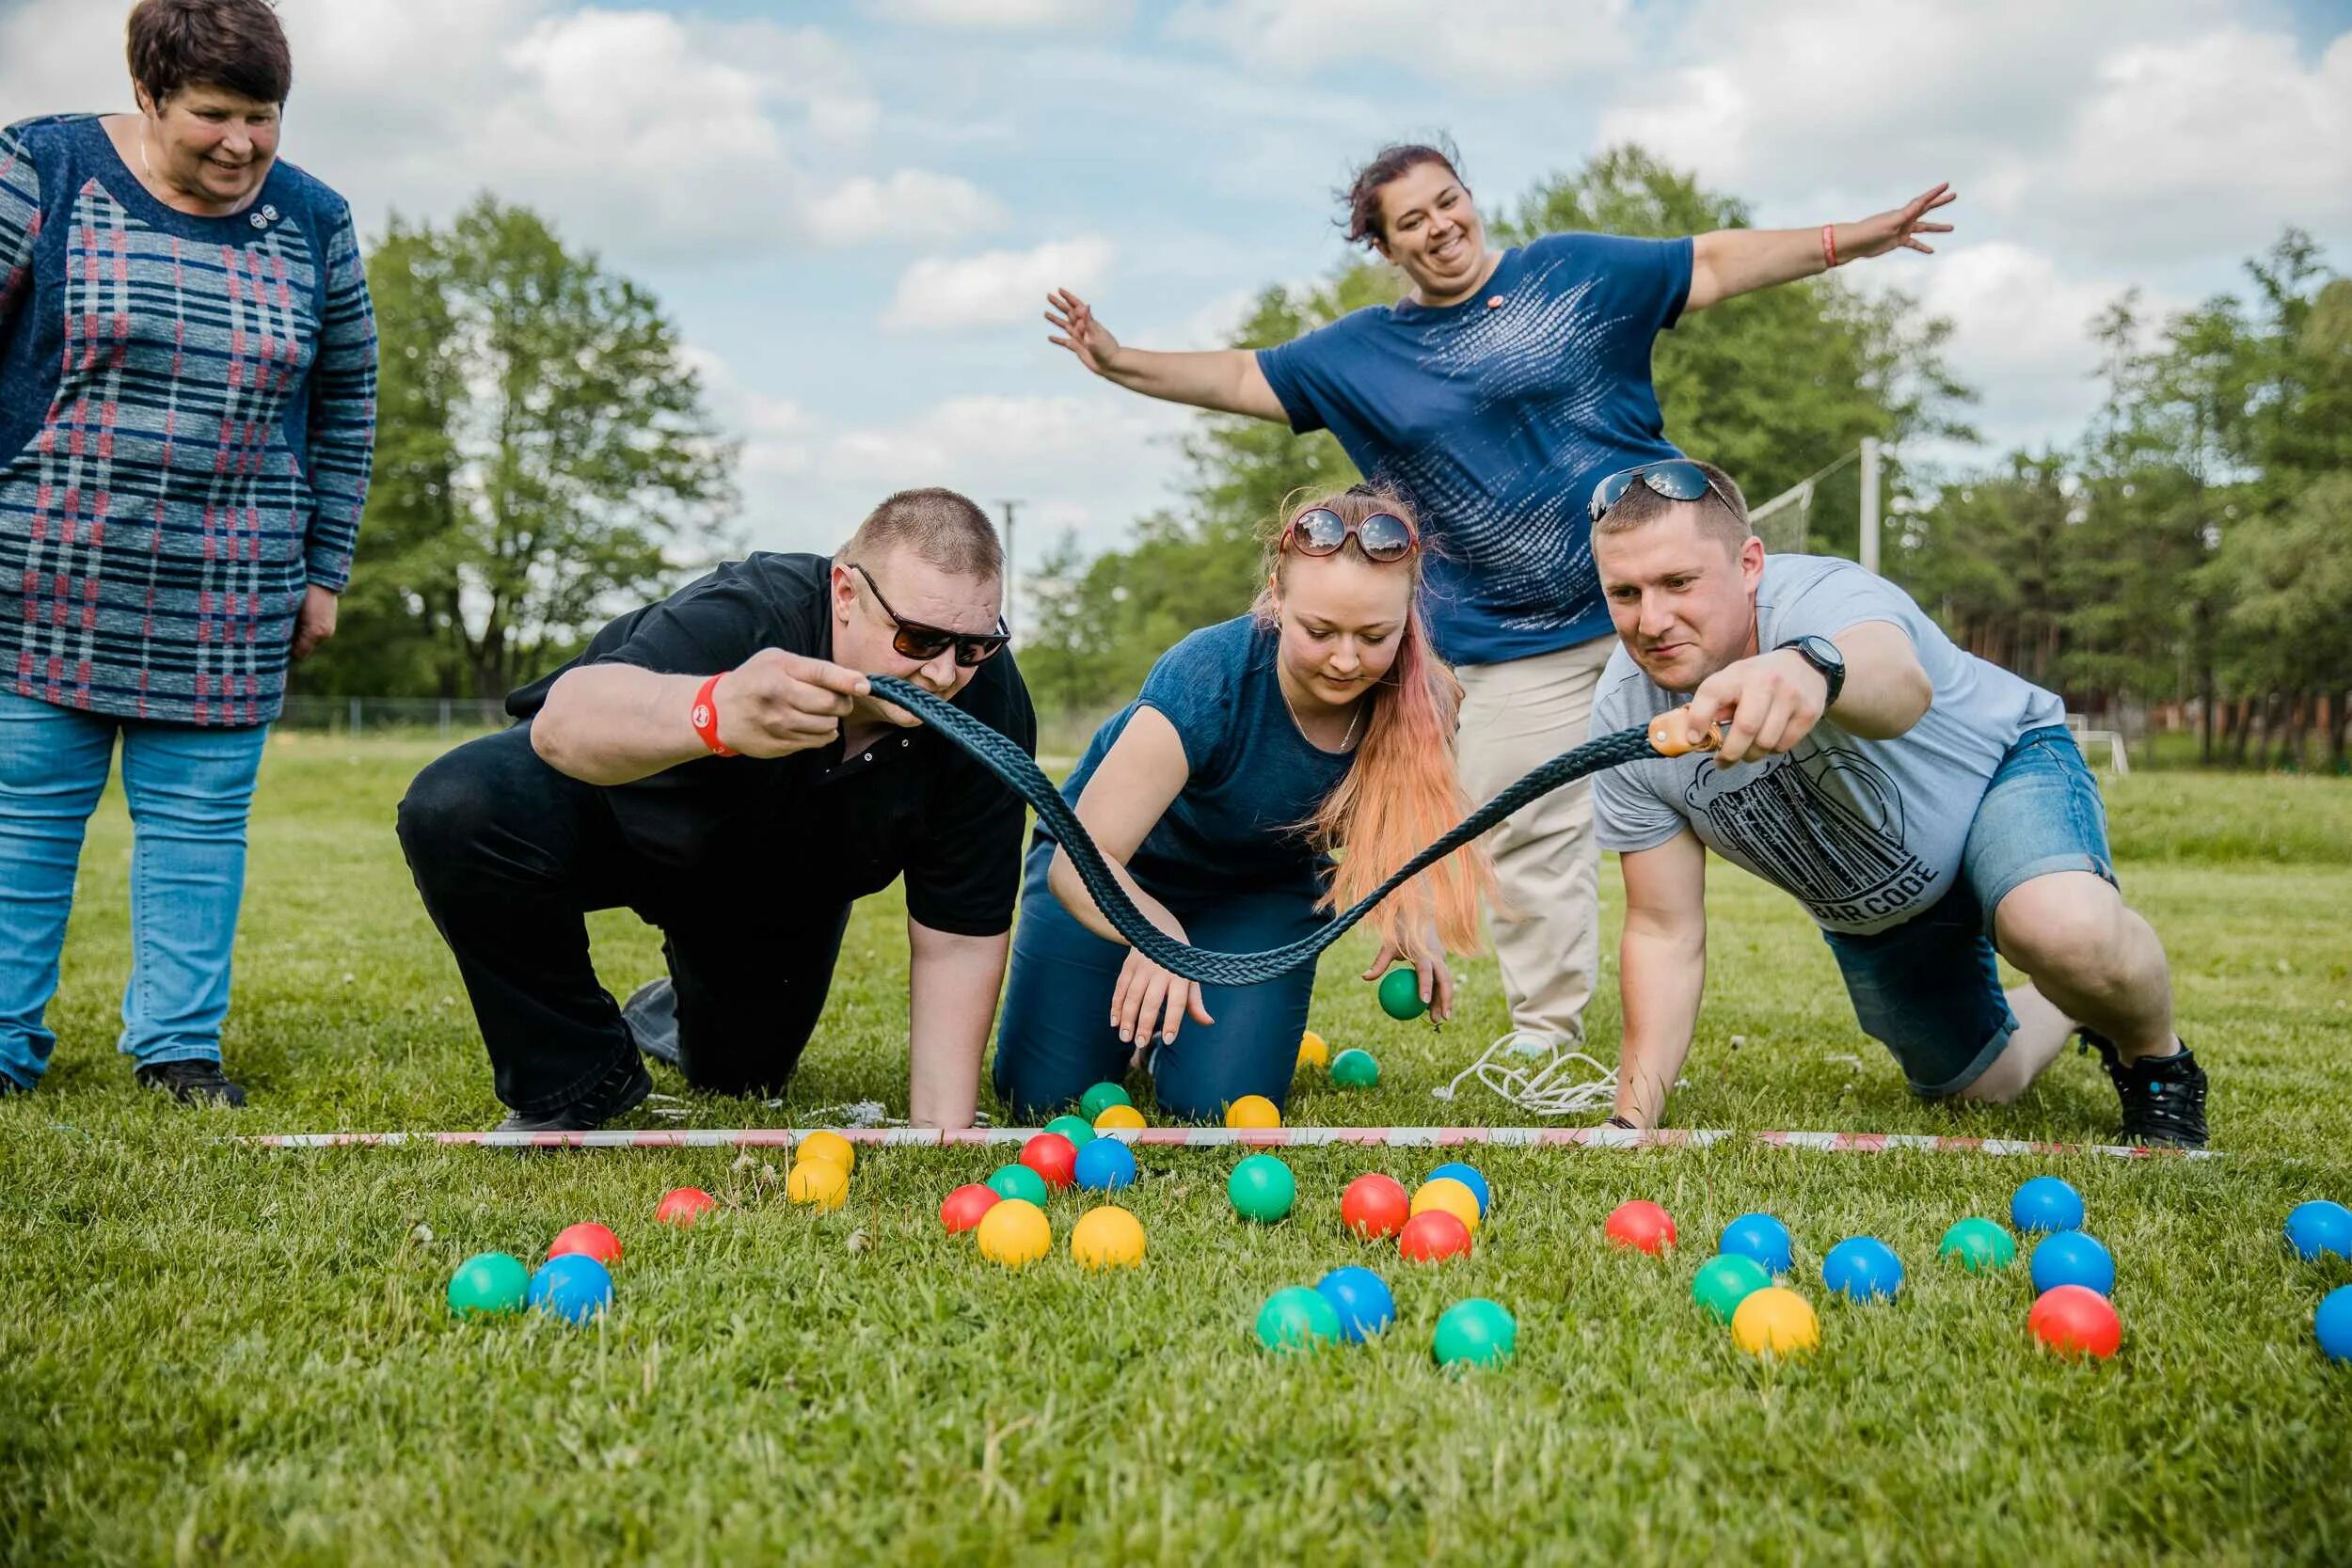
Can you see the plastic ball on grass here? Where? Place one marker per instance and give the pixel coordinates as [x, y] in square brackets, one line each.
[1432, 1236]
[823, 1145]
[1015, 1233]
[2046, 1203]
[2319, 1228]
[2073, 1258]
[588, 1238]
[573, 1287]
[683, 1206]
[1863, 1268]
[1105, 1166]
[1296, 1319]
[1313, 1052]
[1079, 1131]
[963, 1208]
[2075, 1322]
[1640, 1225]
[2332, 1323]
[1114, 1118]
[1775, 1321]
[1978, 1245]
[1400, 994]
[1362, 1300]
[1053, 1157]
[1253, 1111]
[1762, 1238]
[1724, 1281]
[1107, 1238]
[1475, 1333]
[1018, 1181]
[1101, 1098]
[1354, 1069]
[1375, 1205]
[488, 1283]
[1470, 1177]
[1262, 1189]
[817, 1184]
[1451, 1196]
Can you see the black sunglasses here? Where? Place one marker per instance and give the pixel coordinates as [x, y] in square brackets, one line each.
[924, 643]
[1678, 479]
[1383, 536]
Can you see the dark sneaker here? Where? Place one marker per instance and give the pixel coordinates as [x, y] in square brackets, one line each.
[620, 1092]
[2164, 1097]
[191, 1083]
[651, 1014]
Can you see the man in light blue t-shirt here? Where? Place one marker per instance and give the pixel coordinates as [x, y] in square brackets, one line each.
[1927, 807]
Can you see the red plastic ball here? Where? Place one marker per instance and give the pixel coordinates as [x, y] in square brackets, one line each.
[964, 1206]
[588, 1237]
[2077, 1320]
[1431, 1235]
[1375, 1206]
[1053, 1157]
[683, 1206]
[1641, 1225]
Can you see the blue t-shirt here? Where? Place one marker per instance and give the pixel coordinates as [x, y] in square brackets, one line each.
[1254, 782]
[1497, 421]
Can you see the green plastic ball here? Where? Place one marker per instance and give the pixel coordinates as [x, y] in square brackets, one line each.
[1100, 1098]
[1475, 1333]
[488, 1282]
[1079, 1131]
[1019, 1181]
[1296, 1319]
[1353, 1069]
[1262, 1189]
[1978, 1245]
[1726, 1280]
[1400, 995]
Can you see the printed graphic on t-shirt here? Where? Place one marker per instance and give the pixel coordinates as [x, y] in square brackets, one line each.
[1826, 823]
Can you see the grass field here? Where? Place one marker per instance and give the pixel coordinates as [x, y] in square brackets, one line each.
[215, 1355]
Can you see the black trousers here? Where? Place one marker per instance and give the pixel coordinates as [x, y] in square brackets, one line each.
[510, 855]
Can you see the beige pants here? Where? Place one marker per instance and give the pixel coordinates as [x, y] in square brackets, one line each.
[1547, 931]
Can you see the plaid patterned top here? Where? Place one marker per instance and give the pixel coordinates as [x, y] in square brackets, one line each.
[187, 411]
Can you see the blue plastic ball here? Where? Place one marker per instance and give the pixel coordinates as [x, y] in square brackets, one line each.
[1863, 1268]
[1760, 1236]
[2073, 1258]
[1361, 1299]
[2319, 1228]
[2333, 1323]
[1468, 1177]
[1104, 1166]
[2046, 1203]
[574, 1286]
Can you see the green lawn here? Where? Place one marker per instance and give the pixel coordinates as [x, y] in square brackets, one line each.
[214, 1353]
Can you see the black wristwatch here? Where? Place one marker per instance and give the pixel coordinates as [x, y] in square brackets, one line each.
[1821, 653]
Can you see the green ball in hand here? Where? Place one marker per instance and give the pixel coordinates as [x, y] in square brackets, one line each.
[1353, 1069]
[1400, 995]
[1726, 1280]
[1262, 1189]
[488, 1282]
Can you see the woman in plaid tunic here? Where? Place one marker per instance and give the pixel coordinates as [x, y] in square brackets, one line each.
[187, 380]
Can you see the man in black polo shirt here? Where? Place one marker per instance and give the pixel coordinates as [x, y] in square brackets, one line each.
[716, 763]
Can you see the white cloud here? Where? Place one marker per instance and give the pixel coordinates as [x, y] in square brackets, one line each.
[1009, 16]
[1509, 43]
[912, 204]
[996, 287]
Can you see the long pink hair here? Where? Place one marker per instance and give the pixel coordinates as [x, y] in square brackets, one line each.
[1404, 790]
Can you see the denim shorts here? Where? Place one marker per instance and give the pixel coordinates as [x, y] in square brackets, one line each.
[1930, 988]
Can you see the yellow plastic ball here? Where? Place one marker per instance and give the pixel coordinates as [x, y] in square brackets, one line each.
[830, 1147]
[1775, 1321]
[818, 1183]
[1252, 1110]
[1015, 1232]
[1313, 1052]
[1116, 1117]
[1453, 1196]
[1108, 1238]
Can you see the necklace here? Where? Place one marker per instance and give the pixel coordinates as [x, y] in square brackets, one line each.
[1347, 741]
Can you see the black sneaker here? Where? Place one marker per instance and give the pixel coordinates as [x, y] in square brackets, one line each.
[651, 1014]
[621, 1091]
[200, 1083]
[2164, 1097]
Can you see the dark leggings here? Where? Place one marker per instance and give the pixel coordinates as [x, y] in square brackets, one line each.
[1054, 1039]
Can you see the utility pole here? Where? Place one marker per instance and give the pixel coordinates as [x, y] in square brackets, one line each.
[1011, 571]
[1871, 504]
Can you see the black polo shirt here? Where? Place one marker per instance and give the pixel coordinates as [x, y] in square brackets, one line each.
[816, 824]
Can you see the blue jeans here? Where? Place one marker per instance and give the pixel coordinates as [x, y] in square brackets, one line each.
[1930, 988]
[1054, 1039]
[190, 792]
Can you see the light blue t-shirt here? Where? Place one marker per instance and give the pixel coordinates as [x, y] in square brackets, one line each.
[1254, 779]
[1496, 422]
[1866, 833]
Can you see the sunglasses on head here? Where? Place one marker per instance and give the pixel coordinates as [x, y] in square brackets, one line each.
[1383, 536]
[922, 644]
[1677, 479]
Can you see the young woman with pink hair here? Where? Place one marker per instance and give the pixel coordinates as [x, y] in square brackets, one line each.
[1274, 767]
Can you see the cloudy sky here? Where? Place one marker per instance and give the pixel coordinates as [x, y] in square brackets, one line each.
[853, 209]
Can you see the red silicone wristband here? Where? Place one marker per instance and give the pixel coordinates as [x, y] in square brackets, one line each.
[1829, 245]
[705, 716]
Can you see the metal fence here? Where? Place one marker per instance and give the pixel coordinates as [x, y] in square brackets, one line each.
[450, 718]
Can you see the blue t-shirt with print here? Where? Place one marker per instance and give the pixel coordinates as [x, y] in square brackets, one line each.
[1253, 779]
[1496, 419]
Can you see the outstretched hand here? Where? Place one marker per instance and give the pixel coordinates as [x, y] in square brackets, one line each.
[1899, 227]
[1075, 329]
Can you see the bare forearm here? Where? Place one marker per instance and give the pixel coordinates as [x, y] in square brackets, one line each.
[951, 1002]
[616, 723]
[1227, 380]
[1888, 689]
[1733, 261]
[1662, 974]
[1062, 876]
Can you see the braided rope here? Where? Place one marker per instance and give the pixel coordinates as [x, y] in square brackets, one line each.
[1005, 758]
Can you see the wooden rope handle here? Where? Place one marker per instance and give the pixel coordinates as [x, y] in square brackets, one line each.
[1666, 735]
